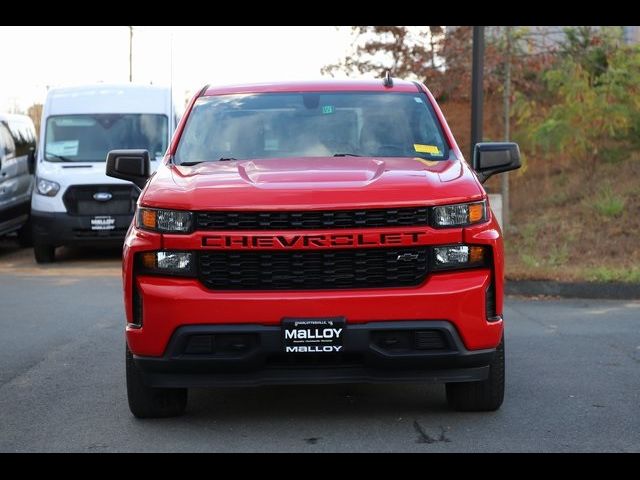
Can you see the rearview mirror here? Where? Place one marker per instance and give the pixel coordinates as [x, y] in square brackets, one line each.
[132, 165]
[490, 158]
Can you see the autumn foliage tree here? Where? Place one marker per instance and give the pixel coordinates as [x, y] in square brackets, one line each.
[441, 57]
[588, 110]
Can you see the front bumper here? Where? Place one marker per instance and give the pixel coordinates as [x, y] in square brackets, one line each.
[59, 228]
[170, 303]
[374, 352]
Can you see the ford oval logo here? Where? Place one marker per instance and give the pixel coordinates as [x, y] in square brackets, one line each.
[102, 196]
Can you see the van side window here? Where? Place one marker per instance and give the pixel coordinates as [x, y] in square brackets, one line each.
[7, 146]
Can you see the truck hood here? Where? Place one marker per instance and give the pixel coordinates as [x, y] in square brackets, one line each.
[312, 183]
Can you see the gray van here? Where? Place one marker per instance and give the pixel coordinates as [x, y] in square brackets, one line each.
[17, 166]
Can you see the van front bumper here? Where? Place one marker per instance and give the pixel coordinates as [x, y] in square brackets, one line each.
[60, 228]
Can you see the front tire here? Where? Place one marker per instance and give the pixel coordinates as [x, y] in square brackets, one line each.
[44, 253]
[149, 402]
[484, 396]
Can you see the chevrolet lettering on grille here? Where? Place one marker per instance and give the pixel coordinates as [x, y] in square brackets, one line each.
[334, 240]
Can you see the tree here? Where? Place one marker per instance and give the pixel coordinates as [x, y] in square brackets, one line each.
[35, 112]
[441, 57]
[399, 49]
[590, 103]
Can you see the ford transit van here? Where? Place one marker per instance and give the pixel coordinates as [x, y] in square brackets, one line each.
[74, 202]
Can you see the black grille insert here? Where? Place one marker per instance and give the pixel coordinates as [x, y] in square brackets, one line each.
[430, 340]
[309, 220]
[321, 269]
[78, 200]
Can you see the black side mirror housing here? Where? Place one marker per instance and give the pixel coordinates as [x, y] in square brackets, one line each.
[132, 165]
[490, 158]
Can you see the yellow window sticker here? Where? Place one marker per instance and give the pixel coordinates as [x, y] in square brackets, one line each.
[432, 149]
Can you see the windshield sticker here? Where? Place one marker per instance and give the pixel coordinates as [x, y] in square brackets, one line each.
[432, 149]
[417, 99]
[74, 122]
[64, 148]
[327, 109]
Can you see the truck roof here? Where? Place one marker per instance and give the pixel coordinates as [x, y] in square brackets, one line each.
[330, 85]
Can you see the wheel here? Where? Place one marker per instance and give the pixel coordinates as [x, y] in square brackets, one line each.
[25, 237]
[484, 396]
[148, 402]
[44, 253]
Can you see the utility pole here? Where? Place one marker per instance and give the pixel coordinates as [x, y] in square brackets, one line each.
[507, 115]
[130, 53]
[477, 73]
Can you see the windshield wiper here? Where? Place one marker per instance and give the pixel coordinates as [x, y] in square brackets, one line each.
[191, 164]
[346, 155]
[59, 157]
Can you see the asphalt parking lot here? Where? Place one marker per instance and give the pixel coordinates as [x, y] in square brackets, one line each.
[573, 382]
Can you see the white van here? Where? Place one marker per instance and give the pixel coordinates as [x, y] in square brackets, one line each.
[74, 202]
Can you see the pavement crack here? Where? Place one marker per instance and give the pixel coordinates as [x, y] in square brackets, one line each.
[533, 319]
[312, 440]
[424, 437]
[443, 437]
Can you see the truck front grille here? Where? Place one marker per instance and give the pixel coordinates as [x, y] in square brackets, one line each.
[323, 269]
[309, 220]
[78, 199]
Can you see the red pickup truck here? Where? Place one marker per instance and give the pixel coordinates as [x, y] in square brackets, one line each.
[313, 232]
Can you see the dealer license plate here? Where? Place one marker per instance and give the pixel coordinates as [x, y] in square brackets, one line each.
[313, 335]
[103, 222]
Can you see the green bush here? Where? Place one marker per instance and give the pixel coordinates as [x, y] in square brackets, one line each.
[608, 203]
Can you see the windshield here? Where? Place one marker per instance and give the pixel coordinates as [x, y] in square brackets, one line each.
[375, 124]
[88, 137]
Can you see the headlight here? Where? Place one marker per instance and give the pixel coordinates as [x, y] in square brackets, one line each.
[459, 215]
[459, 256]
[47, 187]
[166, 221]
[167, 263]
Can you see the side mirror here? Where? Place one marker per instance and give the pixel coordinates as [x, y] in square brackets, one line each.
[490, 158]
[132, 165]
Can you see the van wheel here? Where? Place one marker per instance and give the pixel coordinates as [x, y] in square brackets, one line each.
[484, 396]
[44, 253]
[149, 402]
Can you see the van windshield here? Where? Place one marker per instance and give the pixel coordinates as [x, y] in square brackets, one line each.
[88, 137]
[311, 124]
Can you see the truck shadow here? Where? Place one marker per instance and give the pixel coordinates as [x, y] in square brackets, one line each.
[12, 252]
[89, 254]
[315, 401]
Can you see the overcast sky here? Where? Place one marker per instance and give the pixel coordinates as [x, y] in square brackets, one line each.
[36, 57]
